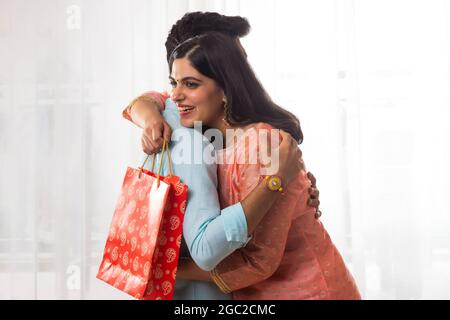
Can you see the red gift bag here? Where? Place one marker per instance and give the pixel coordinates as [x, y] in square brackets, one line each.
[142, 249]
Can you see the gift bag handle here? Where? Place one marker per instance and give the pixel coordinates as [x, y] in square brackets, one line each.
[165, 148]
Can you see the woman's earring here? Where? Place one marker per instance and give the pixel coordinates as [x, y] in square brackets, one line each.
[225, 118]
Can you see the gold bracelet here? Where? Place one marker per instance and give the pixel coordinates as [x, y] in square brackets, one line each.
[219, 282]
[144, 98]
[274, 183]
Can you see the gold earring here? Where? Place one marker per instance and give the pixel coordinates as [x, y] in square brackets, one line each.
[224, 119]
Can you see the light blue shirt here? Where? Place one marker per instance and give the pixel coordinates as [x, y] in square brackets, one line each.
[210, 234]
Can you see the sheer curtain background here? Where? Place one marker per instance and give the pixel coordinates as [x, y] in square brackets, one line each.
[369, 80]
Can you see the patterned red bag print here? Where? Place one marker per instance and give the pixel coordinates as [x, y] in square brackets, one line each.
[142, 249]
[165, 257]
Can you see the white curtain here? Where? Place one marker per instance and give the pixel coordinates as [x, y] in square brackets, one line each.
[369, 81]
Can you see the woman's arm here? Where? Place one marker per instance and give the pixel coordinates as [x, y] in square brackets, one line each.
[210, 233]
[257, 203]
[262, 256]
[261, 260]
[187, 269]
[145, 112]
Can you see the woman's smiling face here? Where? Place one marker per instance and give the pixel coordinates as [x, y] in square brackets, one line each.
[198, 97]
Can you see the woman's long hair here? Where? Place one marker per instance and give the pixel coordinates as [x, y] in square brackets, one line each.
[217, 56]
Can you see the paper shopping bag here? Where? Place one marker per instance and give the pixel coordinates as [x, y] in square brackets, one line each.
[142, 249]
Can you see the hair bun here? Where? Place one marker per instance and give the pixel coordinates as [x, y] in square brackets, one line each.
[196, 23]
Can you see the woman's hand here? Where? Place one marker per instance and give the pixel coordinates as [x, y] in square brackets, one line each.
[145, 112]
[154, 132]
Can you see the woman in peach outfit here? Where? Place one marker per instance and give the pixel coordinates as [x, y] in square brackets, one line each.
[291, 255]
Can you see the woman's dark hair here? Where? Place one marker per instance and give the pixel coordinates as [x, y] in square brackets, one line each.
[217, 56]
[196, 23]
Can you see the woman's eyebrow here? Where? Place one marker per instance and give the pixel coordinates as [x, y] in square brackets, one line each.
[186, 78]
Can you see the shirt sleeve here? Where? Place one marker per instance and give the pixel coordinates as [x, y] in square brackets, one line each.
[261, 257]
[211, 234]
[159, 98]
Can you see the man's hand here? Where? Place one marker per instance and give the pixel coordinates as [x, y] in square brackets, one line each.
[290, 161]
[313, 200]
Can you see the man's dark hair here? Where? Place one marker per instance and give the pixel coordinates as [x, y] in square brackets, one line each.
[197, 23]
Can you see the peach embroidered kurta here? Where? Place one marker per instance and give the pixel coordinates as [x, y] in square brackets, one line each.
[291, 255]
